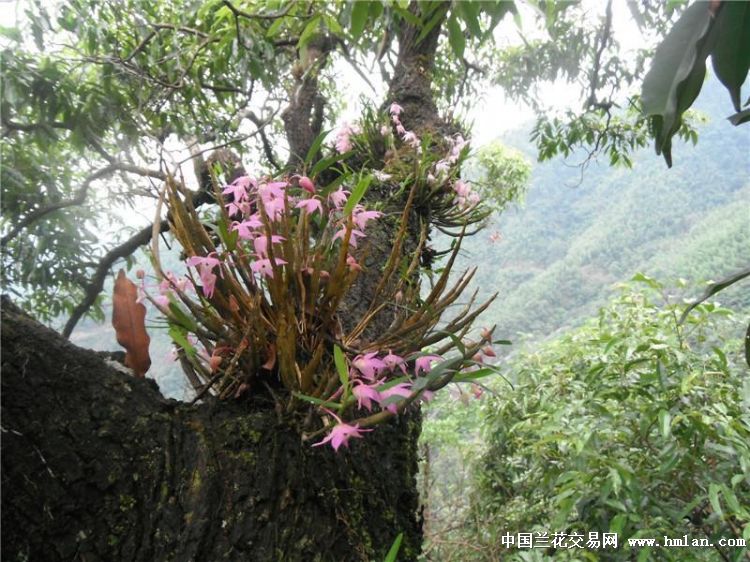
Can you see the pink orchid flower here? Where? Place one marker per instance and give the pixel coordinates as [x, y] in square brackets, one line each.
[162, 302]
[343, 137]
[245, 228]
[260, 244]
[341, 233]
[402, 389]
[361, 216]
[424, 364]
[208, 281]
[365, 394]
[203, 262]
[264, 266]
[238, 188]
[368, 365]
[339, 197]
[393, 362]
[309, 206]
[462, 188]
[411, 138]
[395, 109]
[341, 433]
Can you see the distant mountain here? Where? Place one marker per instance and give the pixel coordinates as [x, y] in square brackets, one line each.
[579, 233]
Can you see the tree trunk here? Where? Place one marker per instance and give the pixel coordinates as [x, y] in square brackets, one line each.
[97, 465]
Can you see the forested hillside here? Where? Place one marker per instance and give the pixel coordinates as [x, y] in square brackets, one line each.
[580, 232]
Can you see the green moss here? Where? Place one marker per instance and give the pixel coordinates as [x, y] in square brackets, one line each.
[196, 481]
[126, 502]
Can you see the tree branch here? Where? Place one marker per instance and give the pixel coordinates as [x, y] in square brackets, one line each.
[267, 148]
[237, 12]
[78, 198]
[96, 284]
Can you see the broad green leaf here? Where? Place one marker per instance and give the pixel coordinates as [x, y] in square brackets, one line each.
[182, 318]
[715, 288]
[676, 74]
[393, 551]
[357, 193]
[341, 366]
[228, 237]
[432, 22]
[740, 118]
[731, 54]
[665, 421]
[310, 29]
[315, 147]
[360, 11]
[177, 333]
[327, 163]
[470, 14]
[12, 33]
[408, 16]
[456, 37]
[713, 497]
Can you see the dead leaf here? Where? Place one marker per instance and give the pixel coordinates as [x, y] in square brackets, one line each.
[271, 361]
[129, 321]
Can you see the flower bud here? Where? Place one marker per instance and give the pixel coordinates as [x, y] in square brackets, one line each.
[307, 184]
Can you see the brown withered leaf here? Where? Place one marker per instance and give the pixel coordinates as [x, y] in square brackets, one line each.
[129, 321]
[271, 361]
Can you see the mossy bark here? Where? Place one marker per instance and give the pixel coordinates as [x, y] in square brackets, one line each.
[98, 466]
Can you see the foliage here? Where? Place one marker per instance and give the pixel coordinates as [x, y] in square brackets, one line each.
[566, 42]
[631, 424]
[558, 257]
[500, 175]
[720, 30]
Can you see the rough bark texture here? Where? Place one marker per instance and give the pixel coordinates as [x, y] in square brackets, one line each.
[97, 465]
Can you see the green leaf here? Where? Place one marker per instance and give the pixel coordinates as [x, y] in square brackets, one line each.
[391, 556]
[432, 22]
[310, 29]
[229, 238]
[713, 497]
[408, 16]
[177, 333]
[327, 163]
[740, 118]
[715, 288]
[357, 193]
[12, 33]
[360, 11]
[181, 317]
[474, 375]
[341, 366]
[470, 14]
[317, 401]
[731, 54]
[315, 147]
[676, 74]
[665, 423]
[456, 37]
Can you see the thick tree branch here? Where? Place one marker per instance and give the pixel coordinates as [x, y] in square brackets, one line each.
[127, 248]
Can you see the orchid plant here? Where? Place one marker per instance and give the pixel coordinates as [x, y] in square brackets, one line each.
[256, 311]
